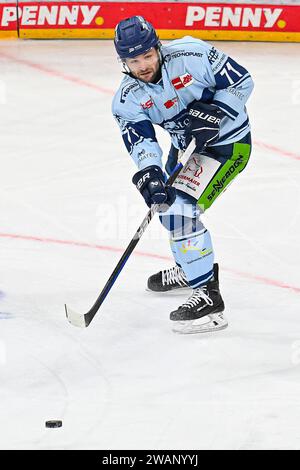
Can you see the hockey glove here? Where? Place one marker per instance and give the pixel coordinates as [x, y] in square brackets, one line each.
[203, 123]
[150, 182]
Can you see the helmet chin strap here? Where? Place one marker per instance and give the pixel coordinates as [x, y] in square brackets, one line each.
[158, 48]
[126, 69]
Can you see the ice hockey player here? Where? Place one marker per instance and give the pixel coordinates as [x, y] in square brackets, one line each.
[192, 90]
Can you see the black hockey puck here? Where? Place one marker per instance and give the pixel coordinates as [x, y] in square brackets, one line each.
[54, 423]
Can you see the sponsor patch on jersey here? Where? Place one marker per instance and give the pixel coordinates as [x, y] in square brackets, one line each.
[126, 89]
[213, 55]
[182, 53]
[143, 155]
[148, 104]
[168, 104]
[182, 81]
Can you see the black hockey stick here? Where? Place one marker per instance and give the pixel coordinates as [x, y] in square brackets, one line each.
[83, 320]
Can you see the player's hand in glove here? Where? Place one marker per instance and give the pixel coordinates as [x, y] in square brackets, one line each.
[151, 184]
[203, 123]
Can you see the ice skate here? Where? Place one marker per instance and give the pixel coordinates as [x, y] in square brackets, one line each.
[203, 310]
[168, 280]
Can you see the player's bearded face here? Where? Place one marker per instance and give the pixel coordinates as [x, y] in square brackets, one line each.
[145, 66]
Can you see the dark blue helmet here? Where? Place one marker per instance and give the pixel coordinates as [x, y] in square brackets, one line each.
[134, 36]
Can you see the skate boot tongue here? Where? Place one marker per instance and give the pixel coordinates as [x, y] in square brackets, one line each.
[198, 296]
[169, 280]
[197, 305]
[174, 275]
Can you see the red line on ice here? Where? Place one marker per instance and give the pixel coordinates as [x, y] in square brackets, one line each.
[292, 155]
[264, 280]
[57, 73]
[80, 244]
[109, 91]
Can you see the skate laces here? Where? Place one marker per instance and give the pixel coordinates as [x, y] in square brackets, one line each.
[174, 275]
[198, 295]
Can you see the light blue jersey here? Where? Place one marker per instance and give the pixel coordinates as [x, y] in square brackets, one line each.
[191, 70]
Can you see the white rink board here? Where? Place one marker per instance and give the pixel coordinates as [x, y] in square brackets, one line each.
[128, 382]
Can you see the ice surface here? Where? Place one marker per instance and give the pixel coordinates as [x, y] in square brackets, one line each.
[68, 209]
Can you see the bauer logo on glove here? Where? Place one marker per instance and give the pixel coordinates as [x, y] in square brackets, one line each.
[203, 123]
[204, 116]
[142, 180]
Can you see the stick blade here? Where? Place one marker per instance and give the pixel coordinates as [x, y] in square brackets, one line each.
[76, 319]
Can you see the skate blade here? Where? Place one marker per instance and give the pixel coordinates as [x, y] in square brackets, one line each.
[216, 322]
[173, 292]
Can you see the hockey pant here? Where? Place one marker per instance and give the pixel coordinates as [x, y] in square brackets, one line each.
[198, 185]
